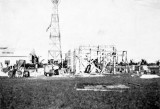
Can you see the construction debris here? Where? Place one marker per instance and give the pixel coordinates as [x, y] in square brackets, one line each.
[3, 74]
[149, 76]
[99, 87]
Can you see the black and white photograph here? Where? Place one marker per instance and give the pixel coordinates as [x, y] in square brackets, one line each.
[79, 54]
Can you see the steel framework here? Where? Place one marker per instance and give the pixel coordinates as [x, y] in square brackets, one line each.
[107, 57]
[55, 51]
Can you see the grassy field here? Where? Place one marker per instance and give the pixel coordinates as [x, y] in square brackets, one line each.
[60, 93]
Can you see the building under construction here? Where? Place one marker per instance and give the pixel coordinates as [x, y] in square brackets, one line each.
[97, 59]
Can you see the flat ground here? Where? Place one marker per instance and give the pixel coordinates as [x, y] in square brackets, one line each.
[60, 93]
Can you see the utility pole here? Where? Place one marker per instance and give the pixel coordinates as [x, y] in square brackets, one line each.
[55, 51]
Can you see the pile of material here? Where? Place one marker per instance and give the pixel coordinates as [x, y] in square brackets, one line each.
[149, 76]
[88, 75]
[3, 74]
[102, 87]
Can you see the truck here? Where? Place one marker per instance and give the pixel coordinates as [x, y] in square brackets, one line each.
[51, 69]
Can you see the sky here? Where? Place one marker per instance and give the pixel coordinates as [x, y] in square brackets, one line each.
[131, 25]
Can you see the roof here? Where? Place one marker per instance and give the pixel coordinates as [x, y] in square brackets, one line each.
[12, 52]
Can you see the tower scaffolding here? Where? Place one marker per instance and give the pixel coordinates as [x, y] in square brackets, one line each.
[55, 52]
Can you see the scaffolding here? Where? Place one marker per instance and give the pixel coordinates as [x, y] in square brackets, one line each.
[106, 58]
[55, 52]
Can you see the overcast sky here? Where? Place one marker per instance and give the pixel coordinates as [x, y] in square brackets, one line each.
[132, 25]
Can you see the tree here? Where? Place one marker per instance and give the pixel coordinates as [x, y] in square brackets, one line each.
[132, 62]
[143, 62]
[158, 62]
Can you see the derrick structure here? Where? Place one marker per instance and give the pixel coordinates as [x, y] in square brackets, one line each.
[54, 52]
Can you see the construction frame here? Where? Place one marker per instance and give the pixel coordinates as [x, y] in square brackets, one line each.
[102, 58]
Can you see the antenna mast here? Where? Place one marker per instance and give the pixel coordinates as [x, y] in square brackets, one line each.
[55, 51]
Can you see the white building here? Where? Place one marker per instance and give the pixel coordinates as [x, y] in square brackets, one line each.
[11, 55]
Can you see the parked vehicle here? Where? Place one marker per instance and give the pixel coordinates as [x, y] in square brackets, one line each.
[51, 69]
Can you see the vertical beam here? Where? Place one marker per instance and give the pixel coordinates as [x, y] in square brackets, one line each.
[79, 52]
[74, 61]
[114, 60]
